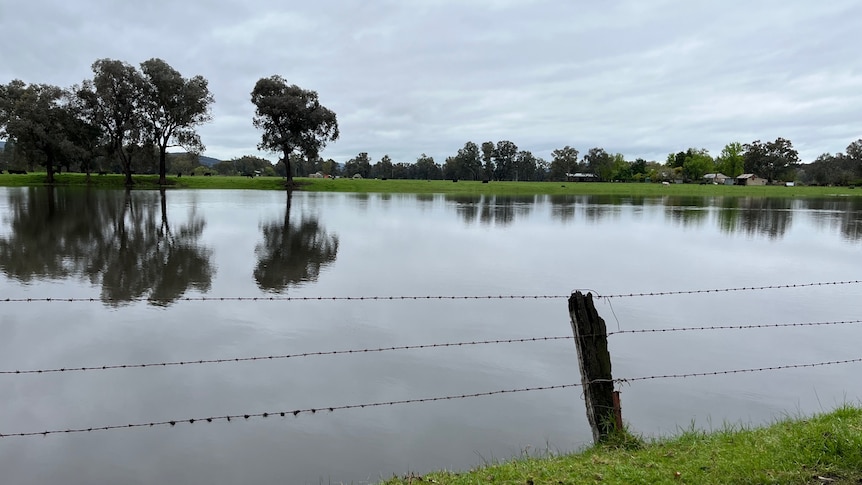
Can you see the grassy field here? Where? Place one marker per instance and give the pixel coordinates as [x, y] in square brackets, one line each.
[825, 449]
[433, 186]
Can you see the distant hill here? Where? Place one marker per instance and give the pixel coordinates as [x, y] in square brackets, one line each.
[207, 161]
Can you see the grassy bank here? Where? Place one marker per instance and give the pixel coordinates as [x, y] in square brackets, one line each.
[825, 449]
[433, 186]
[117, 181]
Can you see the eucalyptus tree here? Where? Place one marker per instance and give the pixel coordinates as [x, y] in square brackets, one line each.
[39, 118]
[113, 101]
[525, 166]
[771, 160]
[84, 136]
[381, 169]
[172, 106]
[292, 120]
[600, 163]
[565, 160]
[853, 156]
[358, 165]
[468, 162]
[488, 159]
[504, 160]
[426, 169]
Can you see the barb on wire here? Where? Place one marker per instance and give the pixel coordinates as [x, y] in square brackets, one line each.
[295, 412]
[735, 371]
[284, 356]
[734, 327]
[721, 290]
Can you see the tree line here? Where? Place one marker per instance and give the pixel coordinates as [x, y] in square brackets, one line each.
[119, 114]
[127, 116]
[776, 161]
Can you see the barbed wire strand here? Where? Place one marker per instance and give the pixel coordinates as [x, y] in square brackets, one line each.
[295, 412]
[722, 290]
[734, 371]
[417, 297]
[286, 298]
[283, 356]
[734, 327]
[408, 347]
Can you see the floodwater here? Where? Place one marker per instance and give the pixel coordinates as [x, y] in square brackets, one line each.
[173, 277]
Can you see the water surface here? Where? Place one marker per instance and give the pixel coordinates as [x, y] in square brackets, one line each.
[145, 259]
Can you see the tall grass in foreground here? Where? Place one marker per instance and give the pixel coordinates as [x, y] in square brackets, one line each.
[824, 449]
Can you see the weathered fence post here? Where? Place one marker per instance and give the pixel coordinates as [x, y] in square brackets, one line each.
[591, 340]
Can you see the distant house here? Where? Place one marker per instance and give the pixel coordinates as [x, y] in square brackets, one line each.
[581, 177]
[317, 175]
[357, 176]
[750, 179]
[717, 178]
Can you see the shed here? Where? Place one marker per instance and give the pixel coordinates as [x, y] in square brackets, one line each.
[581, 177]
[750, 179]
[716, 178]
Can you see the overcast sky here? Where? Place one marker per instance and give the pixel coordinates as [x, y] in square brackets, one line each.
[638, 77]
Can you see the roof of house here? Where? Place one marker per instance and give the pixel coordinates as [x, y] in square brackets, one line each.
[718, 175]
[747, 176]
[579, 174]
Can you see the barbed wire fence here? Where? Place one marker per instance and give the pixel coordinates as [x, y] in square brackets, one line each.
[425, 297]
[600, 414]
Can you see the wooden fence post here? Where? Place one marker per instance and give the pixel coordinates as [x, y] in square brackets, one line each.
[591, 341]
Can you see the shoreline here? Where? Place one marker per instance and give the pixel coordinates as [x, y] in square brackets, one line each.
[445, 187]
[825, 448]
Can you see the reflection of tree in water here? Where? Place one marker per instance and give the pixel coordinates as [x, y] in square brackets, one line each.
[152, 259]
[466, 206]
[121, 241]
[844, 215]
[292, 253]
[492, 209]
[755, 216]
[592, 208]
[686, 211]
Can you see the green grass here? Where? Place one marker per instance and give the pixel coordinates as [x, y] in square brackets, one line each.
[144, 181]
[825, 449]
[433, 186]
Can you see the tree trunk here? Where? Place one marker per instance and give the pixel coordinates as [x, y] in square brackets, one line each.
[288, 171]
[162, 160]
[49, 165]
[127, 167]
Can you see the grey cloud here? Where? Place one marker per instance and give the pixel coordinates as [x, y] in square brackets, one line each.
[640, 78]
